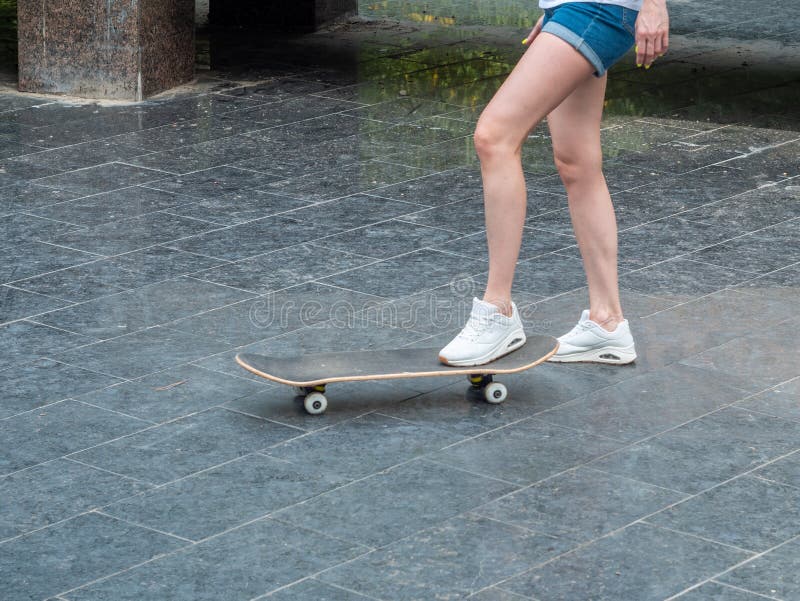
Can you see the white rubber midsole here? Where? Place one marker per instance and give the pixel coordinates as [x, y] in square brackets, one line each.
[498, 351]
[606, 354]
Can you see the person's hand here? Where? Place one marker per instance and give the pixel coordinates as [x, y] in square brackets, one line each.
[652, 32]
[534, 32]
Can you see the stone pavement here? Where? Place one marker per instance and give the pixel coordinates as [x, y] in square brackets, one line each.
[323, 194]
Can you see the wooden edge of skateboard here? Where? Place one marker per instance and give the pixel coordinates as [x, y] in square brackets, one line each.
[452, 371]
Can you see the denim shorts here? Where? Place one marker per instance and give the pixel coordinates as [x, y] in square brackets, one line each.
[602, 33]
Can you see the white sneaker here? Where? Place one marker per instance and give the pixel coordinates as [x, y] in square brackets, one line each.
[588, 341]
[487, 336]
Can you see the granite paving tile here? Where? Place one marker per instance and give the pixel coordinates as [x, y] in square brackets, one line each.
[534, 243]
[85, 282]
[679, 280]
[277, 313]
[441, 156]
[403, 110]
[19, 304]
[57, 490]
[386, 239]
[26, 196]
[184, 133]
[755, 252]
[746, 512]
[214, 182]
[354, 211]
[223, 497]
[774, 574]
[557, 220]
[254, 238]
[181, 447]
[395, 503]
[238, 565]
[45, 381]
[496, 594]
[68, 554]
[450, 560]
[101, 178]
[133, 310]
[282, 268]
[111, 206]
[639, 562]
[79, 156]
[718, 447]
[330, 447]
[713, 591]
[754, 210]
[763, 359]
[313, 590]
[39, 435]
[668, 238]
[19, 228]
[451, 216]
[317, 130]
[142, 353]
[580, 505]
[785, 470]
[412, 273]
[159, 262]
[135, 233]
[781, 401]
[13, 172]
[525, 452]
[771, 164]
[237, 207]
[288, 111]
[437, 189]
[278, 89]
[647, 404]
[204, 155]
[23, 341]
[345, 180]
[780, 284]
[677, 157]
[172, 393]
[34, 258]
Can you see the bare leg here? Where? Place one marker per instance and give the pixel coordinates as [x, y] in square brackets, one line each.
[575, 128]
[546, 74]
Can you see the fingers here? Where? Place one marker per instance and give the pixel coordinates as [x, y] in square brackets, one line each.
[641, 45]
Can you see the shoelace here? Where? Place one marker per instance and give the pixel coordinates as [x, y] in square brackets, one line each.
[476, 326]
[578, 329]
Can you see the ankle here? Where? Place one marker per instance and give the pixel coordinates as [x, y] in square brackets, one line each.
[503, 304]
[606, 319]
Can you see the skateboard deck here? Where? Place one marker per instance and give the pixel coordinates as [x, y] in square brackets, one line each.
[313, 371]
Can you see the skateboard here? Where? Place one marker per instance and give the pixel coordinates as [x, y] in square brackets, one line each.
[309, 374]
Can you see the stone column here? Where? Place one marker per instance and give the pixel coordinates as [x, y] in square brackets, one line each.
[298, 15]
[120, 49]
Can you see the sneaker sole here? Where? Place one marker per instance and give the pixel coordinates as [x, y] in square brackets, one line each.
[609, 355]
[490, 356]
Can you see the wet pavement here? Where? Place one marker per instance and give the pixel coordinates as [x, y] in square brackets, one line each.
[322, 193]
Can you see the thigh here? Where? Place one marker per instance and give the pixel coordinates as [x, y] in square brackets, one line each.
[575, 123]
[545, 75]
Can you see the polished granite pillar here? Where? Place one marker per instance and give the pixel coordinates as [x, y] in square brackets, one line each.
[120, 49]
[298, 15]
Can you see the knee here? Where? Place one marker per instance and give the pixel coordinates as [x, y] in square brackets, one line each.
[574, 169]
[491, 141]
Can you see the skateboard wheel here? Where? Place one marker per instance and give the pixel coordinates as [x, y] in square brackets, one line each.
[315, 403]
[495, 392]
